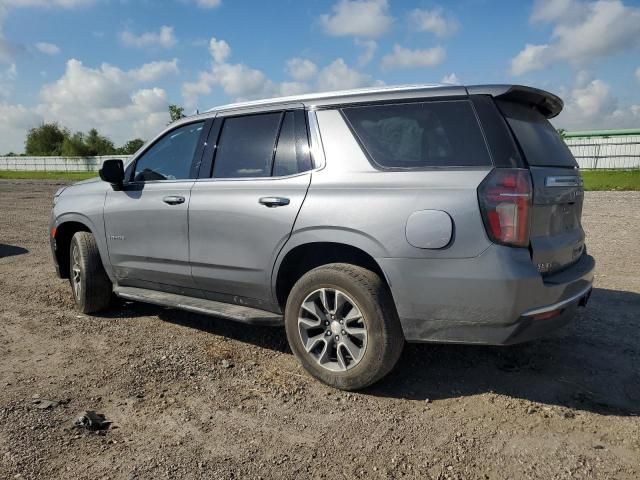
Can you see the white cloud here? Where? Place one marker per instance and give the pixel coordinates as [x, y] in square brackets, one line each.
[593, 30]
[338, 76]
[106, 98]
[240, 82]
[150, 72]
[301, 69]
[451, 79]
[164, 38]
[369, 48]
[48, 48]
[209, 3]
[15, 120]
[638, 74]
[591, 105]
[555, 10]
[219, 50]
[7, 79]
[360, 18]
[433, 21]
[406, 58]
[286, 89]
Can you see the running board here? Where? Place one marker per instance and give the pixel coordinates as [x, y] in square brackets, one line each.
[228, 311]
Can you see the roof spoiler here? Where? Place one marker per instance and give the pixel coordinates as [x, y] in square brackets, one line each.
[546, 103]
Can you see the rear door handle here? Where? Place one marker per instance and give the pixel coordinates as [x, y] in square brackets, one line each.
[173, 200]
[274, 201]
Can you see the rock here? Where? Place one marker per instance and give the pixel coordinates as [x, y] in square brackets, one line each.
[91, 421]
[531, 410]
[226, 363]
[44, 404]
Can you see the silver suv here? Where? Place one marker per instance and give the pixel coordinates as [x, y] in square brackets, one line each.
[358, 219]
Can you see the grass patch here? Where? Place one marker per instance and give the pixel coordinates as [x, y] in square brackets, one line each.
[611, 179]
[66, 176]
[593, 179]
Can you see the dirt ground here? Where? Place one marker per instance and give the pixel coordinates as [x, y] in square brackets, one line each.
[197, 397]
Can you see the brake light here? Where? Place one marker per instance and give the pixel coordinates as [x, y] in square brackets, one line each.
[505, 202]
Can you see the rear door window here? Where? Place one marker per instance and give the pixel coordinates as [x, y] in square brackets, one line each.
[541, 144]
[246, 146]
[420, 135]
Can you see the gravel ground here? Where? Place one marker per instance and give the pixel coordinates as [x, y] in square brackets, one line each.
[195, 397]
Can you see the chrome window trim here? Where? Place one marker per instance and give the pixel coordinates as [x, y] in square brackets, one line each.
[318, 158]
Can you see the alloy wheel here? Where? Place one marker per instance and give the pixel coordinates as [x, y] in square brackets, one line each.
[332, 329]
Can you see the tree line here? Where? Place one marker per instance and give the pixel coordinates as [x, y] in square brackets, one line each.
[51, 139]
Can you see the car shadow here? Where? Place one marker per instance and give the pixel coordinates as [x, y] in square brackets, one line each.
[11, 250]
[591, 365]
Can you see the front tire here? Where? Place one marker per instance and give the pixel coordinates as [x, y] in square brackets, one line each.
[91, 287]
[342, 326]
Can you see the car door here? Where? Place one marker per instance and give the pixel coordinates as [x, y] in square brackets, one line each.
[146, 222]
[243, 208]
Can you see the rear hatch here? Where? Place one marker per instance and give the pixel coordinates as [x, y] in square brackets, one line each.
[556, 234]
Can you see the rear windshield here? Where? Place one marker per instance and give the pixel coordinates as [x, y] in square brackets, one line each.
[540, 142]
[420, 135]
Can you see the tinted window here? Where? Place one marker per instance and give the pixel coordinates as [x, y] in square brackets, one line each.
[245, 147]
[292, 152]
[539, 141]
[503, 148]
[420, 135]
[170, 157]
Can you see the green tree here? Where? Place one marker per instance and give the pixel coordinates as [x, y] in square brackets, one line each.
[176, 113]
[98, 144]
[46, 139]
[131, 147]
[75, 146]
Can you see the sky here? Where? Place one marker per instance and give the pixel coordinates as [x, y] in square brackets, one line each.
[117, 64]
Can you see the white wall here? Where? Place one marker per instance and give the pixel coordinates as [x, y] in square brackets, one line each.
[593, 152]
[606, 152]
[60, 164]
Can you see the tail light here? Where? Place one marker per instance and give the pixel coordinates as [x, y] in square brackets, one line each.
[505, 203]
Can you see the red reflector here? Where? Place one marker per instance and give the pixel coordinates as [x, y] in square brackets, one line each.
[53, 232]
[547, 315]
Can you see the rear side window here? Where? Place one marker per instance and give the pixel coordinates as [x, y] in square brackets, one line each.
[245, 147]
[292, 152]
[540, 142]
[420, 135]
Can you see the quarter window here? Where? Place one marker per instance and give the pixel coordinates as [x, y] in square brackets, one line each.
[292, 153]
[170, 157]
[420, 135]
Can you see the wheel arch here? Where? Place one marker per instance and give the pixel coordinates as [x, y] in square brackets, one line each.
[65, 228]
[302, 256]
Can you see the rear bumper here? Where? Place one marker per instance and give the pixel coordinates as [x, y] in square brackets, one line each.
[497, 298]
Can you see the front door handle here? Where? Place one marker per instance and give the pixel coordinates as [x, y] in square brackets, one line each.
[173, 200]
[274, 201]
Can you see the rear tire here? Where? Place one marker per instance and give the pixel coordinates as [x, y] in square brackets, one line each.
[91, 287]
[354, 337]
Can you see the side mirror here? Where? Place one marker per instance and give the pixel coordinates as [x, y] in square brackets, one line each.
[112, 171]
